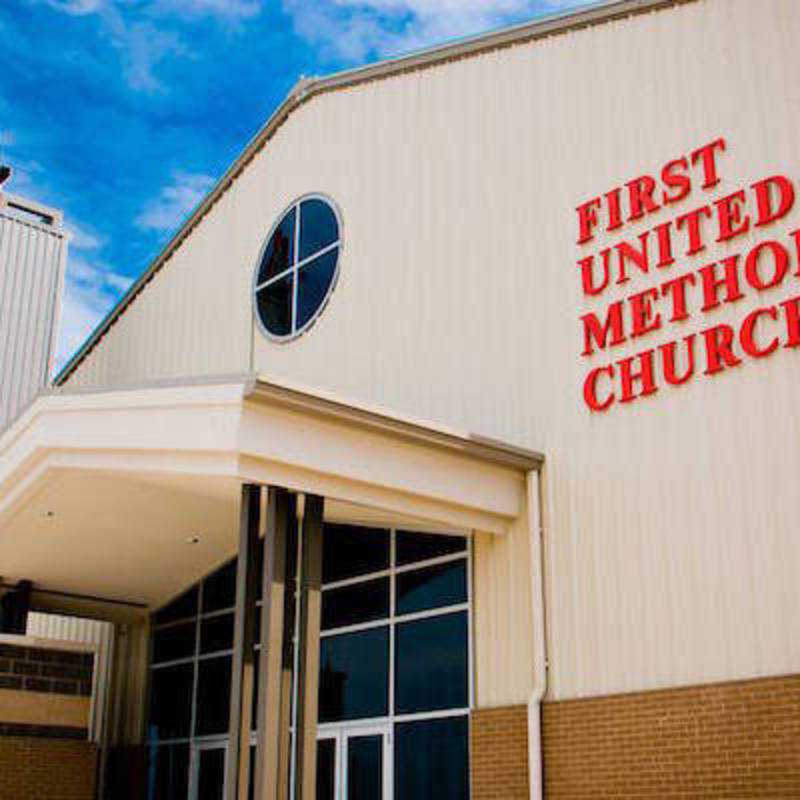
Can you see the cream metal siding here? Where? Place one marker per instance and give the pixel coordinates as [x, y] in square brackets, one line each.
[32, 258]
[670, 526]
[193, 318]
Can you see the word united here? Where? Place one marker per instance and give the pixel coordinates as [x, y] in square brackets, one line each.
[680, 294]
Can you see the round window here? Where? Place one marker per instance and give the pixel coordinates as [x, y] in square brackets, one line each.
[298, 267]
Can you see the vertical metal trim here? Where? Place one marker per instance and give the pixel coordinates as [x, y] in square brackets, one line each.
[310, 611]
[287, 651]
[243, 627]
[269, 712]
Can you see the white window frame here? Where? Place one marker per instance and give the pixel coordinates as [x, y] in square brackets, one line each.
[296, 266]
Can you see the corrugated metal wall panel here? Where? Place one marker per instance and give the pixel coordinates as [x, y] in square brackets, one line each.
[670, 526]
[32, 261]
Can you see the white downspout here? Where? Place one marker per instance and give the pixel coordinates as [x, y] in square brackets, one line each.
[539, 640]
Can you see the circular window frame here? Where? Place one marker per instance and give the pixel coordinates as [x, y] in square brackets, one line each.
[295, 204]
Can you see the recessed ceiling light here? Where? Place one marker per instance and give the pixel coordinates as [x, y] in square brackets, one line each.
[192, 540]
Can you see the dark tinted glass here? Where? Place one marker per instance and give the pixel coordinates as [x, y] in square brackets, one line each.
[251, 792]
[354, 675]
[365, 768]
[211, 774]
[432, 587]
[315, 279]
[213, 695]
[350, 605]
[216, 633]
[413, 547]
[219, 588]
[177, 641]
[171, 702]
[169, 772]
[431, 664]
[180, 608]
[279, 254]
[275, 306]
[430, 760]
[326, 769]
[318, 227]
[349, 551]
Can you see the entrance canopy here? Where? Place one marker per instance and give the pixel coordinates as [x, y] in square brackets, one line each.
[129, 494]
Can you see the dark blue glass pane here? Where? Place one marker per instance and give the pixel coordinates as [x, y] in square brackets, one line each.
[279, 253]
[211, 774]
[348, 551]
[351, 605]
[431, 664]
[315, 280]
[412, 547]
[354, 675]
[213, 696]
[216, 633]
[365, 768]
[432, 587]
[275, 306]
[168, 776]
[219, 588]
[431, 760]
[326, 769]
[180, 608]
[318, 227]
[170, 702]
[175, 642]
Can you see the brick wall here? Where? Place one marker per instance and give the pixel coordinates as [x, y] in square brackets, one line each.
[499, 753]
[37, 669]
[732, 740]
[47, 769]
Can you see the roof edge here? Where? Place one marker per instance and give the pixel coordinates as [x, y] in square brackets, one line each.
[410, 430]
[305, 88]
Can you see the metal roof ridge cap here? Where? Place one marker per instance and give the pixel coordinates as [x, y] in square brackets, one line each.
[559, 21]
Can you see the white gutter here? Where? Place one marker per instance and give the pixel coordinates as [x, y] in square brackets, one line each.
[539, 640]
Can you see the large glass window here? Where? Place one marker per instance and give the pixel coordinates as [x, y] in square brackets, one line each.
[395, 650]
[298, 267]
[190, 679]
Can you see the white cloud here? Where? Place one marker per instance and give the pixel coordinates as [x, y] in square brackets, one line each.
[81, 238]
[141, 35]
[7, 138]
[90, 292]
[175, 201]
[358, 29]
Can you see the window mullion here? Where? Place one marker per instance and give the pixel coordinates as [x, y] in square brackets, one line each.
[295, 267]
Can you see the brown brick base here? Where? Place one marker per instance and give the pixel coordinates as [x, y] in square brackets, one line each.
[56, 769]
[499, 753]
[733, 740]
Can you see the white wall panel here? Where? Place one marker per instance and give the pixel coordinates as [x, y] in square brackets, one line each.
[670, 525]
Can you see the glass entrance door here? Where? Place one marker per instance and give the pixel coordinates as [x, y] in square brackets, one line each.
[208, 771]
[354, 763]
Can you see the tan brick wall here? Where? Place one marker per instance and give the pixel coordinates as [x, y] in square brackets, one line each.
[499, 753]
[734, 740]
[46, 769]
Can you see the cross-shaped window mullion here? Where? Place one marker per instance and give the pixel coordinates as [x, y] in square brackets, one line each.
[295, 269]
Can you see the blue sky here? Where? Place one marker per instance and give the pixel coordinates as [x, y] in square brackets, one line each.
[124, 112]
